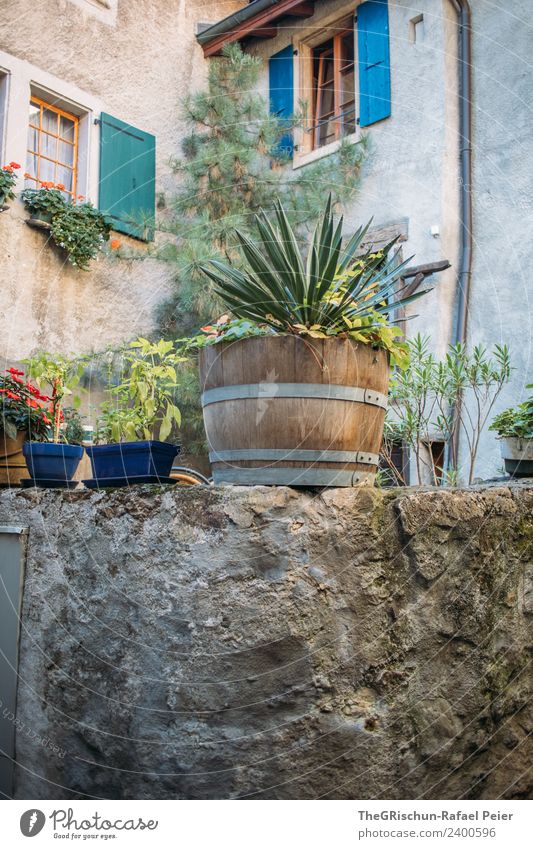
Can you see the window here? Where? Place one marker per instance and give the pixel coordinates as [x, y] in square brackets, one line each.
[342, 78]
[334, 88]
[52, 146]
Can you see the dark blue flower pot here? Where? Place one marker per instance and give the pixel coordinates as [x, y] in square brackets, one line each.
[51, 461]
[132, 459]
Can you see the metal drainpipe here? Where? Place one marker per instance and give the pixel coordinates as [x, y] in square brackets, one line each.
[465, 211]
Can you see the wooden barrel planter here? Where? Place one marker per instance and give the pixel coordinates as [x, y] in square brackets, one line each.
[292, 411]
[12, 463]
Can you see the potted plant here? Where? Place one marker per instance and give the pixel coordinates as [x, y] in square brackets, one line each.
[54, 463]
[43, 204]
[295, 391]
[77, 228]
[24, 412]
[141, 408]
[515, 429]
[8, 178]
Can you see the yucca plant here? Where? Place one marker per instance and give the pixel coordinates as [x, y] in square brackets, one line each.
[332, 291]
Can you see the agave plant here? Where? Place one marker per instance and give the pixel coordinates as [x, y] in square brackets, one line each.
[333, 291]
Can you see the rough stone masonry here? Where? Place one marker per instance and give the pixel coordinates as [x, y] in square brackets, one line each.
[263, 642]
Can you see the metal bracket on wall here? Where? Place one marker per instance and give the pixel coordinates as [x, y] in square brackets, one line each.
[13, 545]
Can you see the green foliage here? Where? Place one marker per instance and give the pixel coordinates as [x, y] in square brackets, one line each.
[8, 178]
[44, 200]
[61, 375]
[333, 292]
[72, 430]
[142, 405]
[80, 230]
[427, 393]
[515, 421]
[23, 407]
[230, 169]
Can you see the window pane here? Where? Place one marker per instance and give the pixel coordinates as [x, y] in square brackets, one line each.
[46, 170]
[347, 47]
[50, 121]
[48, 146]
[31, 165]
[326, 100]
[348, 86]
[64, 175]
[326, 132]
[66, 153]
[348, 118]
[35, 113]
[66, 129]
[327, 72]
[33, 139]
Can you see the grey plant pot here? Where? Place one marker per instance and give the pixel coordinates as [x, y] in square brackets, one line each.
[518, 456]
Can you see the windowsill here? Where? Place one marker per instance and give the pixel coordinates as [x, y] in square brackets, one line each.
[300, 160]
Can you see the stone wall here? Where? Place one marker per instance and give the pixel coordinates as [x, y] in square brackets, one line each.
[273, 643]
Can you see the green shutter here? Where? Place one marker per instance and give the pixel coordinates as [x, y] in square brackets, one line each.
[127, 177]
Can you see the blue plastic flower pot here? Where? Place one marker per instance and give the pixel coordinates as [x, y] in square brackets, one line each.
[52, 461]
[132, 459]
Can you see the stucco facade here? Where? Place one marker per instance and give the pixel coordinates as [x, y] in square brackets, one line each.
[134, 60]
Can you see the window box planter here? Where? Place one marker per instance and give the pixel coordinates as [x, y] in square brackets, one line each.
[122, 461]
[12, 462]
[40, 220]
[51, 461]
[517, 453]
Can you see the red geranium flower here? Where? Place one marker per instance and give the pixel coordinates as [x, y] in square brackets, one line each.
[13, 396]
[14, 165]
[14, 371]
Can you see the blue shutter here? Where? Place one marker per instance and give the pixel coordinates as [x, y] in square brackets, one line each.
[281, 81]
[127, 177]
[373, 61]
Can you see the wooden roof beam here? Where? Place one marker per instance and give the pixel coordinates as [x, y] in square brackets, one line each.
[258, 21]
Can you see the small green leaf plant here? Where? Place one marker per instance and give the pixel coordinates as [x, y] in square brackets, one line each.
[61, 375]
[77, 228]
[8, 179]
[516, 421]
[333, 291]
[142, 405]
[432, 399]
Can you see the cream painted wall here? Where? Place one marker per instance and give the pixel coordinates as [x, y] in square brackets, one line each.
[134, 59]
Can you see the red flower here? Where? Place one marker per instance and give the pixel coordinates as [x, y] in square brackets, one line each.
[115, 244]
[45, 419]
[14, 165]
[13, 396]
[8, 168]
[17, 379]
[14, 371]
[33, 404]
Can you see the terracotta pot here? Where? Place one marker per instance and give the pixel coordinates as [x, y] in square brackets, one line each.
[12, 462]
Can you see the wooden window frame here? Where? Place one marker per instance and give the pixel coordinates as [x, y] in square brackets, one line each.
[61, 113]
[336, 116]
[305, 150]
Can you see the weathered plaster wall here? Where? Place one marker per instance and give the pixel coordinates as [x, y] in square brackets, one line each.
[269, 643]
[501, 303]
[134, 62]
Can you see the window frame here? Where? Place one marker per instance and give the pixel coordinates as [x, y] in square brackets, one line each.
[309, 39]
[34, 182]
